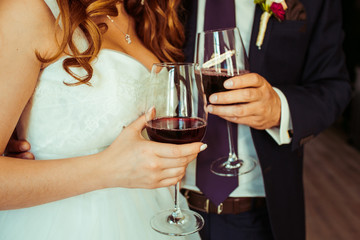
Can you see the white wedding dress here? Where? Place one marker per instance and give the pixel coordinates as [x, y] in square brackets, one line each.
[61, 121]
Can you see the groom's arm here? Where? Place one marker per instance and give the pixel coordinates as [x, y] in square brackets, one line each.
[324, 90]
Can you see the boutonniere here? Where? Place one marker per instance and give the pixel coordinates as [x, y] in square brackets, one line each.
[270, 7]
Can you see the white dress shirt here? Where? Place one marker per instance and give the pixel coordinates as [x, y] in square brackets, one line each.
[251, 184]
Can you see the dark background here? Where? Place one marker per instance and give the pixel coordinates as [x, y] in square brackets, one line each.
[351, 23]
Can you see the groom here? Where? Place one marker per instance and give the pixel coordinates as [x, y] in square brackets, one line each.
[299, 87]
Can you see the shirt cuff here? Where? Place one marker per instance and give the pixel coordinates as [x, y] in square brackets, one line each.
[281, 134]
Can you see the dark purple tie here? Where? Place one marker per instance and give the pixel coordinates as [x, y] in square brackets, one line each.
[218, 14]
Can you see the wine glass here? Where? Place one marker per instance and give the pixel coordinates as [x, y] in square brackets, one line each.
[220, 55]
[175, 113]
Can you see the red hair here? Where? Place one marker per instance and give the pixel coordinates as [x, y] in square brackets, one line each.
[156, 23]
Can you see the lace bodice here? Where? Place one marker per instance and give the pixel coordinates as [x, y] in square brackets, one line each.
[62, 121]
[65, 121]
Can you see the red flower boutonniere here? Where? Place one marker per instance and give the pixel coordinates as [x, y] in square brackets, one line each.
[270, 7]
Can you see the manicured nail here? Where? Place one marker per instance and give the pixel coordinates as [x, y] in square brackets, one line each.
[210, 109]
[213, 98]
[203, 147]
[228, 83]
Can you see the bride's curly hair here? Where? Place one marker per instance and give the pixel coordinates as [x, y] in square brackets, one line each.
[157, 25]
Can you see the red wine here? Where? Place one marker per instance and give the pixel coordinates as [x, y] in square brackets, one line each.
[176, 130]
[214, 81]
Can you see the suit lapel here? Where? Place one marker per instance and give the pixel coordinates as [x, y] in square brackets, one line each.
[190, 21]
[257, 61]
[257, 56]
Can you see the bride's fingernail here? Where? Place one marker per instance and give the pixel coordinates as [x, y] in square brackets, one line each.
[203, 147]
[210, 109]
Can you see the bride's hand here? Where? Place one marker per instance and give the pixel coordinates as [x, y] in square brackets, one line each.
[135, 162]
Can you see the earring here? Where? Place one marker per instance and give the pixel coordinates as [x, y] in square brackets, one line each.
[142, 2]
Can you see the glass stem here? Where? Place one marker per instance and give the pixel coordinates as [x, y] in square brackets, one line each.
[232, 154]
[176, 201]
[176, 216]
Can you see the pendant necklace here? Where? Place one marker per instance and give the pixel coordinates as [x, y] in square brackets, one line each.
[127, 36]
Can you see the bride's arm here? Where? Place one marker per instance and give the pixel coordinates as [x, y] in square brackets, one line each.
[24, 27]
[131, 161]
[19, 67]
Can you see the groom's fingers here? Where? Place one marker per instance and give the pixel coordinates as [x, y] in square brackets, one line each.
[18, 149]
[17, 146]
[24, 155]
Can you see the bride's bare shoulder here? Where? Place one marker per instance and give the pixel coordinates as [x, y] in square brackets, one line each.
[25, 12]
[29, 21]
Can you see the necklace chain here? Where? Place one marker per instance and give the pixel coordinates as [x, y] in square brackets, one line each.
[127, 35]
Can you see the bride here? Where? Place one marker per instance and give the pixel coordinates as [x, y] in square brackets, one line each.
[72, 78]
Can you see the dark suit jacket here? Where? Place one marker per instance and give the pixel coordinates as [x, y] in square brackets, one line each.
[304, 59]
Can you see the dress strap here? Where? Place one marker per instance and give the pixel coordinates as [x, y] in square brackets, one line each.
[52, 4]
[78, 37]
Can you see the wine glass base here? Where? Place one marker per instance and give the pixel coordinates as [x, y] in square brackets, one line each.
[224, 167]
[191, 222]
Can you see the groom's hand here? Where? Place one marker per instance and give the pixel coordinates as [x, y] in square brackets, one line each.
[251, 101]
[18, 149]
